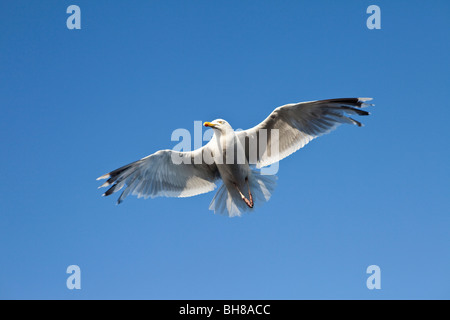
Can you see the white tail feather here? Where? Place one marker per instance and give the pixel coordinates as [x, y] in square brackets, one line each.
[230, 202]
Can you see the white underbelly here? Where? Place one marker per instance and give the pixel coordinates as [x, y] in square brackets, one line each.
[234, 173]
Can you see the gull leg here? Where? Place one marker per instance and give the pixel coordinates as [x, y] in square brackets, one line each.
[249, 203]
[250, 197]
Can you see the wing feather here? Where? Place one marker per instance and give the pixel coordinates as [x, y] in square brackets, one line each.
[157, 175]
[297, 124]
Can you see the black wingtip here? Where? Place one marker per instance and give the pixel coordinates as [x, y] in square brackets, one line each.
[110, 190]
[363, 113]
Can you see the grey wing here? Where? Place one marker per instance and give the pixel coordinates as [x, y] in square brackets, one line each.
[296, 125]
[159, 175]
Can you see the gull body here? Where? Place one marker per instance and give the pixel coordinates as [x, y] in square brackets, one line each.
[234, 170]
[234, 157]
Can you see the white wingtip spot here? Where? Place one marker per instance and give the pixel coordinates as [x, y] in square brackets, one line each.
[104, 185]
[105, 176]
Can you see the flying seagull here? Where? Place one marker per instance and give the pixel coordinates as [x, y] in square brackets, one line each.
[234, 157]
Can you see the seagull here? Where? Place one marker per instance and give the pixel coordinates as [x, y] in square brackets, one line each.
[234, 157]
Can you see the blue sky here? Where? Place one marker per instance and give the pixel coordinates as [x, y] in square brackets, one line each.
[76, 104]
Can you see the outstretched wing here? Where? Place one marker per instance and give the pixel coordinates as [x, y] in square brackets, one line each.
[159, 175]
[296, 125]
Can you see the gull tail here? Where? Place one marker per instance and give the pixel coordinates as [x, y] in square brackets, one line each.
[228, 201]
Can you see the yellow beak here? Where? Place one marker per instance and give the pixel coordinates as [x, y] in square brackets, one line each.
[209, 124]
